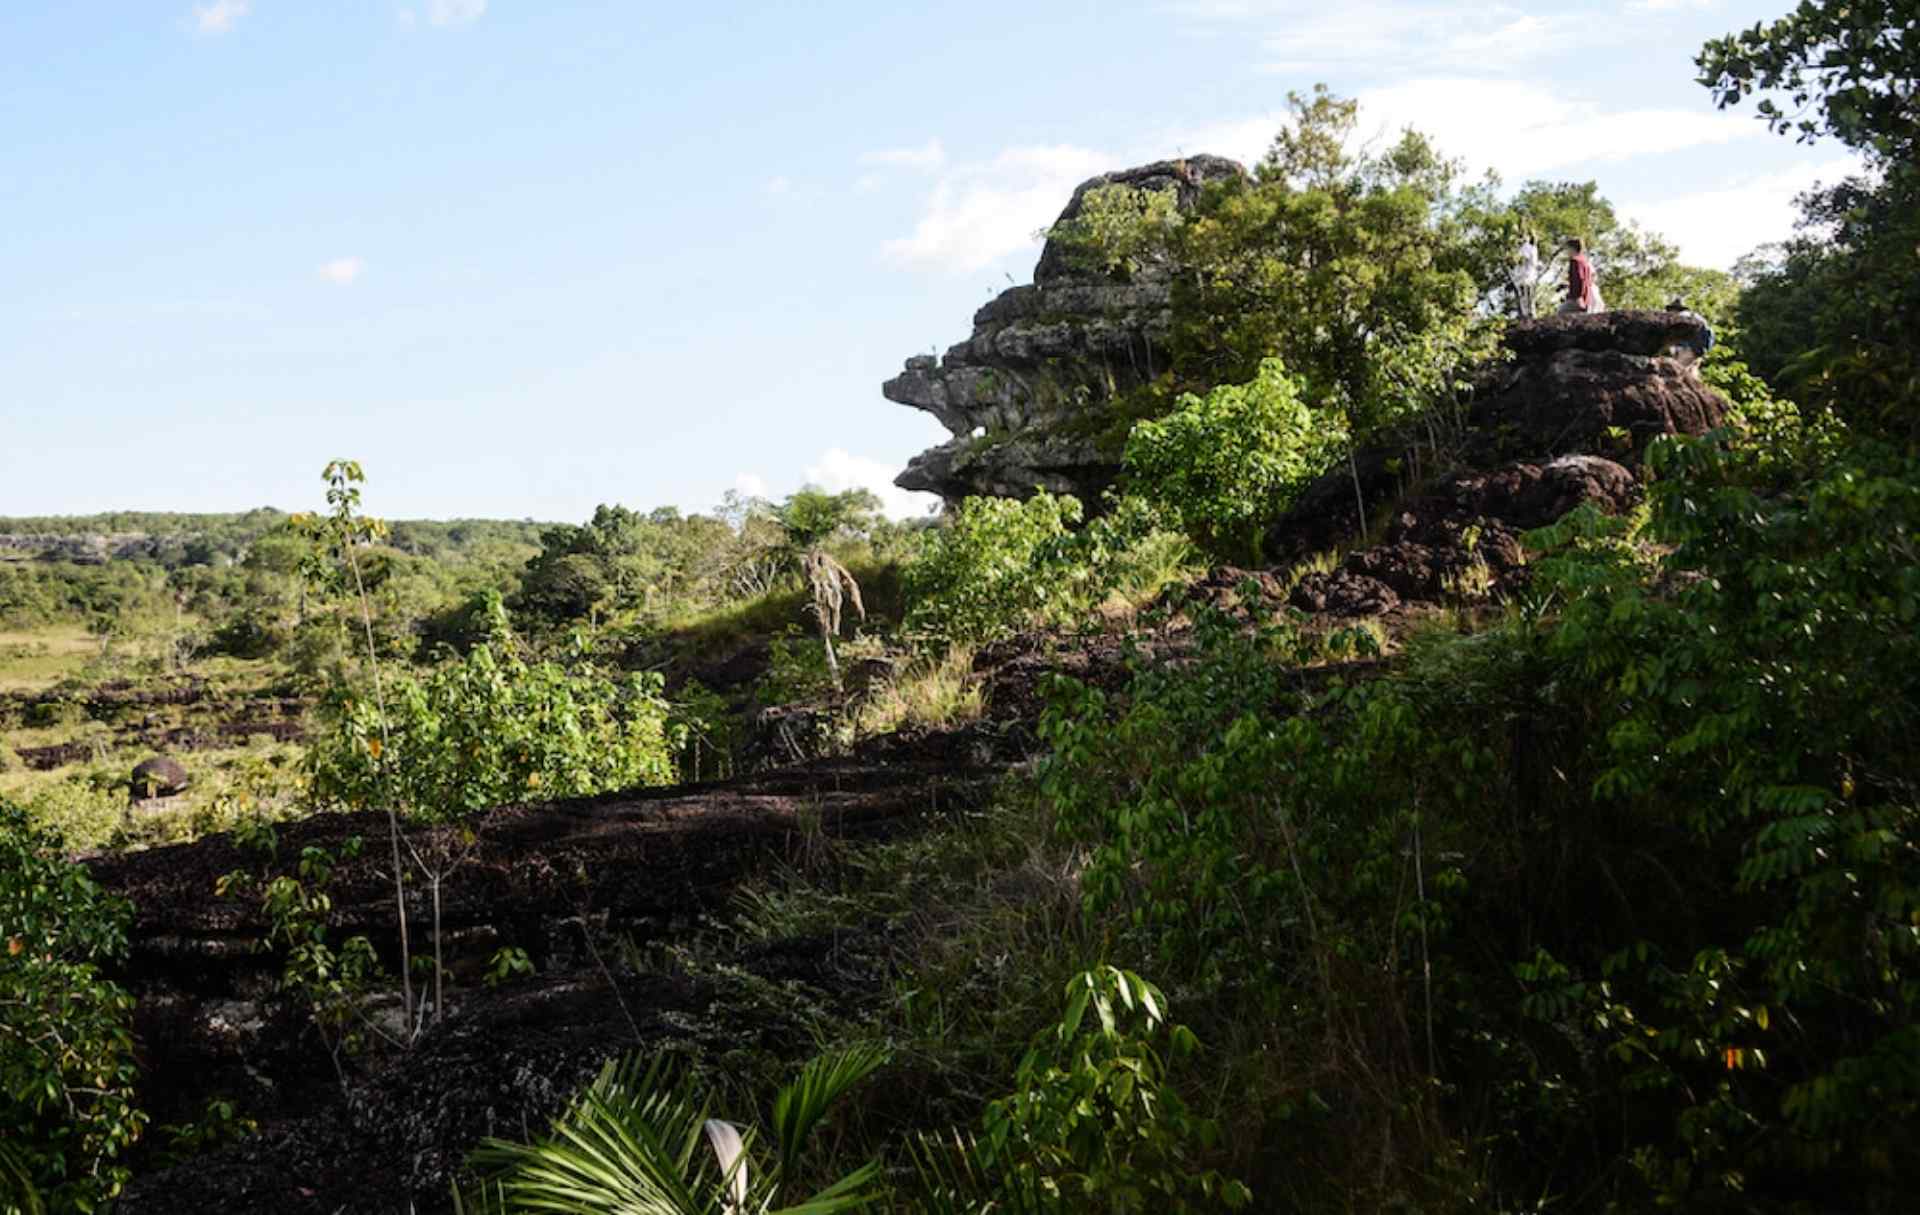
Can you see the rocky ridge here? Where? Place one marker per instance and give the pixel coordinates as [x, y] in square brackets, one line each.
[1043, 357]
[1562, 424]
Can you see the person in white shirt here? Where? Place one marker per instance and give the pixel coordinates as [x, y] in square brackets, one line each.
[1524, 274]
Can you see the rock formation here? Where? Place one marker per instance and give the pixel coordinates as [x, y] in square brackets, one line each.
[1561, 425]
[159, 777]
[1024, 396]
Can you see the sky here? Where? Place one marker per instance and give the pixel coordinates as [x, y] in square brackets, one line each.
[522, 257]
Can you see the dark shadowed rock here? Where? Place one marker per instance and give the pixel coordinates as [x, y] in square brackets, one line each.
[1632, 331]
[1344, 593]
[1595, 384]
[1559, 425]
[1528, 495]
[1024, 396]
[1460, 540]
[158, 777]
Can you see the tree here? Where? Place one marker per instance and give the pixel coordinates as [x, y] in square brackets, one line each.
[66, 1046]
[811, 520]
[1833, 314]
[1850, 70]
[1229, 463]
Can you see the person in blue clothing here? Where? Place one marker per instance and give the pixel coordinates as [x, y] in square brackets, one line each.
[1696, 347]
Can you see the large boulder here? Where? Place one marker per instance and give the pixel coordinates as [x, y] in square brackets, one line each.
[1026, 396]
[1597, 383]
[158, 777]
[1562, 422]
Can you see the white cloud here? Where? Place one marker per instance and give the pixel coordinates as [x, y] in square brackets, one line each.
[455, 12]
[979, 213]
[1383, 35]
[1521, 128]
[750, 485]
[1715, 227]
[928, 157]
[342, 271]
[220, 16]
[839, 470]
[1661, 6]
[779, 185]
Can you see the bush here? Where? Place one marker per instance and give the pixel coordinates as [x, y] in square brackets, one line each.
[990, 570]
[66, 1050]
[1229, 463]
[491, 728]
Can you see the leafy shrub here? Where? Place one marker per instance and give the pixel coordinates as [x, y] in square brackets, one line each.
[489, 728]
[1092, 1122]
[1768, 706]
[1229, 463]
[987, 572]
[66, 1051]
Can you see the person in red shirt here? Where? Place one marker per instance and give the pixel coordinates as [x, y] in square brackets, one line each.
[1583, 289]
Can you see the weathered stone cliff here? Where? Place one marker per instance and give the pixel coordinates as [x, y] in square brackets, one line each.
[1024, 395]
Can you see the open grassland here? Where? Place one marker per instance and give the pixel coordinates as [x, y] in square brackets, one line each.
[74, 721]
[31, 660]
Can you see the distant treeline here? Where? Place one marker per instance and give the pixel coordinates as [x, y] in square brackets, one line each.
[173, 540]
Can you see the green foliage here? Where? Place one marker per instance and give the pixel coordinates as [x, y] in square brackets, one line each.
[1848, 68]
[1092, 1123]
[1118, 230]
[984, 574]
[642, 1140]
[1350, 266]
[1229, 463]
[1830, 317]
[491, 728]
[1768, 704]
[66, 1050]
[508, 962]
[330, 982]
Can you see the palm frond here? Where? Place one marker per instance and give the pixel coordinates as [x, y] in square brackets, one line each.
[958, 1175]
[800, 1105]
[630, 1143]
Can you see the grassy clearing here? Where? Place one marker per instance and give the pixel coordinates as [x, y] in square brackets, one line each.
[36, 659]
[87, 802]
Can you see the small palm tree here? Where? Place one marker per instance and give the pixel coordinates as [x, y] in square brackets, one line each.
[640, 1142]
[810, 519]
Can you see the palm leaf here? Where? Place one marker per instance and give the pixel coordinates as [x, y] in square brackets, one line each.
[802, 1104]
[958, 1175]
[630, 1144]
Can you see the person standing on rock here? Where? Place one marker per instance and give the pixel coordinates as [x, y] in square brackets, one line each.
[1583, 288]
[1694, 348]
[1525, 274]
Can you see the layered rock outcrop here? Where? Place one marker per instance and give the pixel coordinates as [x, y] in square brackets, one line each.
[1561, 425]
[1024, 396]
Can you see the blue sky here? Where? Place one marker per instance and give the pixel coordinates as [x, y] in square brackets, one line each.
[521, 258]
